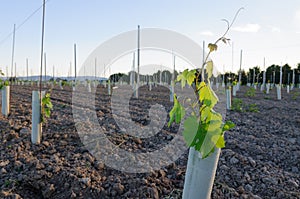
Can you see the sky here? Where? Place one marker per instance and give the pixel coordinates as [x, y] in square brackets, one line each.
[263, 29]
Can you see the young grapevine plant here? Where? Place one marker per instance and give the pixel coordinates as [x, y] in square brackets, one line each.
[2, 82]
[46, 107]
[204, 129]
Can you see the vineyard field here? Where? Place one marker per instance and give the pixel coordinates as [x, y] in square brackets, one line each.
[261, 158]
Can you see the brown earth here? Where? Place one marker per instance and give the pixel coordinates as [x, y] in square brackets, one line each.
[261, 158]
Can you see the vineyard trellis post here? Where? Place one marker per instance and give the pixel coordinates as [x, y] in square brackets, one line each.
[240, 71]
[138, 63]
[5, 100]
[36, 128]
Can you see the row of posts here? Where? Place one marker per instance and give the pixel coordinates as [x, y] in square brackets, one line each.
[268, 86]
[36, 127]
[235, 88]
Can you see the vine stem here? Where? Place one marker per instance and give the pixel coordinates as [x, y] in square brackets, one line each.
[229, 25]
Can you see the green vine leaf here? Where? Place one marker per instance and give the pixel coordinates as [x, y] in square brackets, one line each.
[212, 47]
[214, 120]
[212, 134]
[205, 112]
[228, 125]
[190, 129]
[182, 77]
[187, 77]
[207, 96]
[47, 106]
[209, 69]
[1, 81]
[219, 140]
[191, 75]
[177, 112]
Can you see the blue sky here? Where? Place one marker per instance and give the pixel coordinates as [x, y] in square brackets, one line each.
[269, 29]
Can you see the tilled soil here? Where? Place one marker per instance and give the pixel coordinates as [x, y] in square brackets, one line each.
[262, 155]
[261, 158]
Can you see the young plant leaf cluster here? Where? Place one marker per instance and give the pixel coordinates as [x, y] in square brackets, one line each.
[2, 82]
[46, 107]
[234, 83]
[204, 129]
[250, 92]
[239, 106]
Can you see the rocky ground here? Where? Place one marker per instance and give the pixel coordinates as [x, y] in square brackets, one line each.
[262, 155]
[261, 158]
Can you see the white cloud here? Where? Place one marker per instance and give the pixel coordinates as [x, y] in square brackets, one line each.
[274, 29]
[297, 15]
[207, 33]
[247, 28]
[296, 20]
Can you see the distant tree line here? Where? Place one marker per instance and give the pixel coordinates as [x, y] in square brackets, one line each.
[163, 76]
[272, 73]
[253, 75]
